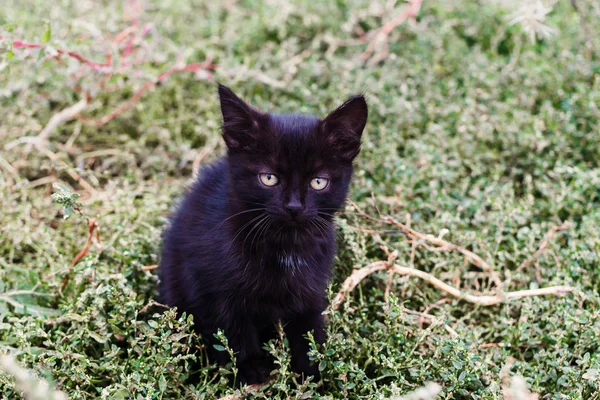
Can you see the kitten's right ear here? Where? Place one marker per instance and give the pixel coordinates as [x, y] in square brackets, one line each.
[344, 126]
[240, 121]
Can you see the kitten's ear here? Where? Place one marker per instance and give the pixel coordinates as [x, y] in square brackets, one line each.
[343, 127]
[240, 121]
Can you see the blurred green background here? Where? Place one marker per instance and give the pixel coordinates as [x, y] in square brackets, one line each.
[484, 124]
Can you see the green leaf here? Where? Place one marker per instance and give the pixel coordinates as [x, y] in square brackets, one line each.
[162, 383]
[457, 365]
[47, 34]
[40, 56]
[592, 374]
[120, 394]
[68, 211]
[97, 337]
[322, 365]
[218, 347]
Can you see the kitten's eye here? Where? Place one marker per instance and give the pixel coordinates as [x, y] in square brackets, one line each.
[319, 183]
[268, 179]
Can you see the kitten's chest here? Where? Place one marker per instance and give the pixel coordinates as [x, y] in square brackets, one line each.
[289, 282]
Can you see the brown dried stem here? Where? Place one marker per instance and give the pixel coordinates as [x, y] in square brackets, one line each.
[390, 280]
[72, 173]
[485, 300]
[544, 244]
[101, 67]
[92, 227]
[410, 10]
[443, 246]
[432, 319]
[65, 115]
[152, 303]
[107, 69]
[206, 66]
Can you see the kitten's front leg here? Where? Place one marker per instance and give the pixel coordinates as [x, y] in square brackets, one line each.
[245, 341]
[296, 330]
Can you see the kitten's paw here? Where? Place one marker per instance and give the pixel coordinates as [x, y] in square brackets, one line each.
[257, 371]
[253, 376]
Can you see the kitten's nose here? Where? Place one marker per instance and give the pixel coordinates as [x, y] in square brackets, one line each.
[294, 208]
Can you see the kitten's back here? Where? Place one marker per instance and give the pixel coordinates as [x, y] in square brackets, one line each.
[194, 233]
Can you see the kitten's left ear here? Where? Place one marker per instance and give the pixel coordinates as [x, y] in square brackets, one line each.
[344, 126]
[240, 121]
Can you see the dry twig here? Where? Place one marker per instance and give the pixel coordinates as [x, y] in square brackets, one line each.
[379, 42]
[65, 115]
[100, 67]
[437, 304]
[152, 303]
[484, 300]
[390, 280]
[443, 246]
[544, 244]
[432, 319]
[106, 69]
[205, 66]
[72, 173]
[92, 227]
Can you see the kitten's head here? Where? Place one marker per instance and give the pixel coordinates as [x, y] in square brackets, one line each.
[295, 168]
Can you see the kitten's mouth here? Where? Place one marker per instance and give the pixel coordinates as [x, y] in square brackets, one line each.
[295, 223]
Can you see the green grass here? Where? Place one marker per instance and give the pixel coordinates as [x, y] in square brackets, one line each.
[472, 128]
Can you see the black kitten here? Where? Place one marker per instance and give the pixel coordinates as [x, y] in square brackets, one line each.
[253, 241]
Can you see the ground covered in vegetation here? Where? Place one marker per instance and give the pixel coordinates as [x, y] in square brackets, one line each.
[476, 134]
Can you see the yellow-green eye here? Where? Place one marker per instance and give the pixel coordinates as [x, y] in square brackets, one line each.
[268, 179]
[319, 183]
